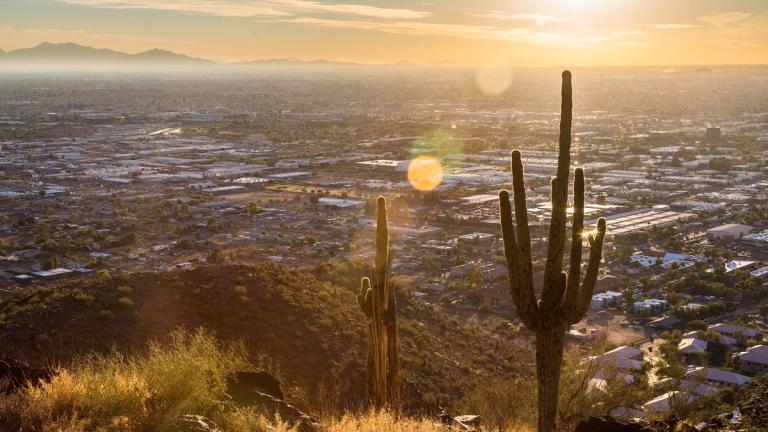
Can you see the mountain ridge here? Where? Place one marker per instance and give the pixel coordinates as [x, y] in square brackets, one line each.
[73, 53]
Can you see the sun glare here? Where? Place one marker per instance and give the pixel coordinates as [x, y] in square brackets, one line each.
[493, 80]
[425, 173]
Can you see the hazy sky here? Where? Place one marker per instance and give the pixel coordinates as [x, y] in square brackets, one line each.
[516, 32]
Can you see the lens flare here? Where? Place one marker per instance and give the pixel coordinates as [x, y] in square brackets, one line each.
[425, 173]
[493, 80]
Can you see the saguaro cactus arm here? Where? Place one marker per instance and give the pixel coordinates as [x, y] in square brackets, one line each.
[554, 287]
[521, 284]
[584, 297]
[365, 297]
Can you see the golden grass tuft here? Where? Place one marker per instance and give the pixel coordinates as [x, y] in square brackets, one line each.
[149, 392]
[113, 392]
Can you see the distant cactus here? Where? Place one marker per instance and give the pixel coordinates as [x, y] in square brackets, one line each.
[563, 302]
[377, 301]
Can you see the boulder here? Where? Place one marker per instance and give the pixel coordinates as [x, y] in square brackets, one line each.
[468, 422]
[275, 408]
[263, 391]
[242, 385]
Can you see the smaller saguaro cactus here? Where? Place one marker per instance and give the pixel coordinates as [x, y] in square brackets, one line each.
[564, 300]
[377, 301]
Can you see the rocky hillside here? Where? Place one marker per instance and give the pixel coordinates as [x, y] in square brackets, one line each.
[306, 327]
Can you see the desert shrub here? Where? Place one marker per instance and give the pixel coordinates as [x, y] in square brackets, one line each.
[241, 290]
[115, 392]
[504, 403]
[84, 297]
[102, 275]
[125, 302]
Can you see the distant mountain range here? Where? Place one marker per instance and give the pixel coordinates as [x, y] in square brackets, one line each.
[72, 54]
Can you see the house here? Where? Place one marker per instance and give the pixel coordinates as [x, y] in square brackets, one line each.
[717, 377]
[624, 358]
[754, 359]
[725, 340]
[650, 306]
[605, 299]
[663, 404]
[617, 363]
[735, 331]
[691, 346]
[678, 392]
[626, 352]
[665, 322]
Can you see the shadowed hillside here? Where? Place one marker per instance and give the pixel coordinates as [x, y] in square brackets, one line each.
[309, 329]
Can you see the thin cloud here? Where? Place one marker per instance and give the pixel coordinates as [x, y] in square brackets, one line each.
[253, 8]
[516, 34]
[356, 9]
[726, 19]
[673, 26]
[419, 28]
[539, 19]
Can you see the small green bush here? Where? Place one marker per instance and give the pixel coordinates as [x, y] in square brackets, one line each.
[125, 302]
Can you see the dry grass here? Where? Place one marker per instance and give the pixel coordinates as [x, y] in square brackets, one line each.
[149, 392]
[386, 422]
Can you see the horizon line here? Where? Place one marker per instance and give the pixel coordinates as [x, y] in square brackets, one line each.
[392, 63]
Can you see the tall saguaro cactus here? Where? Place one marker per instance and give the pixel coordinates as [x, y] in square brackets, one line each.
[377, 300]
[564, 301]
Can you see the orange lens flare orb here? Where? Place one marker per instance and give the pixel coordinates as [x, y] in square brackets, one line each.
[425, 173]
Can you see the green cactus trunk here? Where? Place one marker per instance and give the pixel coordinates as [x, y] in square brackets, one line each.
[549, 358]
[377, 301]
[564, 300]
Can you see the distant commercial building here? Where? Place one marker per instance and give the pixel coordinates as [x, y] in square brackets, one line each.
[53, 273]
[341, 203]
[237, 170]
[738, 265]
[289, 176]
[761, 273]
[476, 237]
[386, 164]
[643, 220]
[757, 239]
[728, 232]
[480, 199]
[225, 189]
